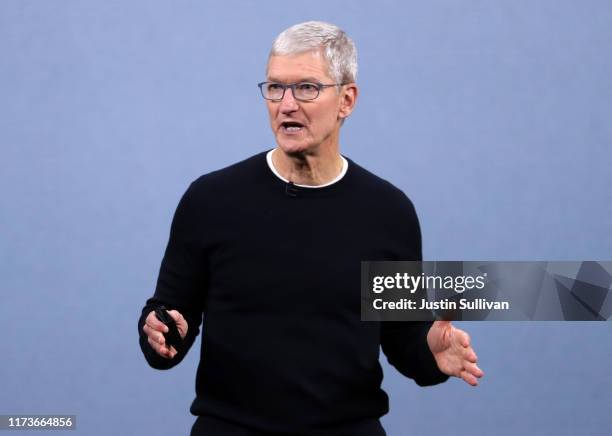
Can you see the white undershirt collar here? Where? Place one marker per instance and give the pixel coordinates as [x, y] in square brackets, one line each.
[277, 174]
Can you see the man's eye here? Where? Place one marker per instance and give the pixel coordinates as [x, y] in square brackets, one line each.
[274, 87]
[307, 86]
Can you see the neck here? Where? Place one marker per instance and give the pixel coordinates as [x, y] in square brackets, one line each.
[312, 168]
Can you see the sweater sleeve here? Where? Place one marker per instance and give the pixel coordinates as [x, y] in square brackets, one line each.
[181, 281]
[405, 342]
[405, 345]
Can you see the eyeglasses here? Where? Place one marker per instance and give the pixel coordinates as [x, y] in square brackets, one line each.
[302, 91]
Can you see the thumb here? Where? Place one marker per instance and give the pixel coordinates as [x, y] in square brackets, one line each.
[442, 329]
[442, 324]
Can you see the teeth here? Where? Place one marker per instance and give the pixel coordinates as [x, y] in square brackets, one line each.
[292, 128]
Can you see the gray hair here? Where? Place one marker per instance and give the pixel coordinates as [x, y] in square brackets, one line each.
[338, 49]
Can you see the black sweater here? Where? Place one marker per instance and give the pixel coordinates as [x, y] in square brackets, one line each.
[276, 276]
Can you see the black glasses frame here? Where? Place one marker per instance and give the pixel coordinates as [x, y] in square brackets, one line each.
[319, 87]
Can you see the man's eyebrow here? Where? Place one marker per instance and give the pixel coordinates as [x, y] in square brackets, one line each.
[305, 79]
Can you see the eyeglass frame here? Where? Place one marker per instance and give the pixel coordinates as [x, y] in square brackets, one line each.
[319, 87]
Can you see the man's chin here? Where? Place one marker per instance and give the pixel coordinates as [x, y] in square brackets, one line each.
[293, 148]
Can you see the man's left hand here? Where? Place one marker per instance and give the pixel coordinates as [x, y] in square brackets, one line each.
[453, 353]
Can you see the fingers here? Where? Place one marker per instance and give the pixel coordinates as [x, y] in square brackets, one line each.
[155, 335]
[469, 378]
[470, 372]
[473, 369]
[162, 349]
[154, 323]
[461, 342]
[462, 337]
[154, 330]
[181, 323]
[470, 355]
[459, 337]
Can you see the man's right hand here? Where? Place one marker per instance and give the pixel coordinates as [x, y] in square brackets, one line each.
[154, 329]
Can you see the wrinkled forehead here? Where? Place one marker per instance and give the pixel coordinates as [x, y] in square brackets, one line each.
[305, 66]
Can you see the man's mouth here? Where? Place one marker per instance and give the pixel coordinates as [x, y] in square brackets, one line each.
[291, 127]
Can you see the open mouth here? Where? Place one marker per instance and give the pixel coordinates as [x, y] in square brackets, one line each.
[291, 126]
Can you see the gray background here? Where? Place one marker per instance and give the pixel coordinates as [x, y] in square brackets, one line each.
[492, 116]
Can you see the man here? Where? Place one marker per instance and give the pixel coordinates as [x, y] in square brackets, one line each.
[268, 251]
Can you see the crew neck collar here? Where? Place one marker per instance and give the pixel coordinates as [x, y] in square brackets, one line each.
[335, 180]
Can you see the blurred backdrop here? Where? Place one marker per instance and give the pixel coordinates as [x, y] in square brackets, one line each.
[492, 116]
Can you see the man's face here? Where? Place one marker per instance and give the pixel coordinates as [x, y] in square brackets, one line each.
[319, 119]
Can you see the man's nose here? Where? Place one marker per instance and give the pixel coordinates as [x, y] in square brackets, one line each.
[288, 103]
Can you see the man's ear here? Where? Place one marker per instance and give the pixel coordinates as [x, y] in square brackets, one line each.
[348, 100]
